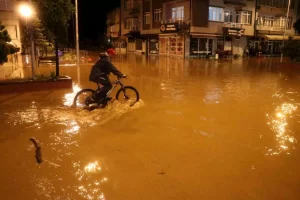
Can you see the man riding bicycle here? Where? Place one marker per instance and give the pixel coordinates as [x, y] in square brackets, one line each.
[100, 74]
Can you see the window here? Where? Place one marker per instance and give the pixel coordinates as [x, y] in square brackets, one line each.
[215, 14]
[178, 13]
[128, 23]
[228, 16]
[243, 17]
[12, 31]
[5, 5]
[128, 4]
[132, 23]
[157, 15]
[147, 18]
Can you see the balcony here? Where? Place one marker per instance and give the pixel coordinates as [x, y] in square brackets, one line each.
[134, 28]
[233, 29]
[261, 27]
[274, 4]
[232, 25]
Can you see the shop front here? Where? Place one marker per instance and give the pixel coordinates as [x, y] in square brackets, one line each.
[172, 43]
[205, 45]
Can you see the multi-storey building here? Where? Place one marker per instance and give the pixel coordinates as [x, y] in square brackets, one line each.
[183, 28]
[131, 16]
[114, 36]
[272, 21]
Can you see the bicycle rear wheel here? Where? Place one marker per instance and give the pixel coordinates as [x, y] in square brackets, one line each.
[82, 98]
[129, 94]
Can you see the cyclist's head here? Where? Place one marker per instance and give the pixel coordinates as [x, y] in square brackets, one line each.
[108, 53]
[111, 52]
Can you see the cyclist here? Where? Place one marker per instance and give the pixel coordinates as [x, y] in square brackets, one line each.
[100, 74]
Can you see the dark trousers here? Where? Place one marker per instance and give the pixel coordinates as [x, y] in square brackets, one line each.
[105, 82]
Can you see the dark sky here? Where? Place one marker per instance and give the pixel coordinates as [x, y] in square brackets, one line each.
[92, 18]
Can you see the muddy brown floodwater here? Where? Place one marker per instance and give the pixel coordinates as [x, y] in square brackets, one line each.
[202, 130]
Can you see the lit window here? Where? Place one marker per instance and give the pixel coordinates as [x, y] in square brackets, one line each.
[178, 13]
[157, 15]
[228, 16]
[147, 18]
[215, 14]
[243, 17]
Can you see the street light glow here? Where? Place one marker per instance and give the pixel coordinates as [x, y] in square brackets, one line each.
[25, 10]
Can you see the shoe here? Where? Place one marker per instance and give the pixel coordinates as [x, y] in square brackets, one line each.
[93, 105]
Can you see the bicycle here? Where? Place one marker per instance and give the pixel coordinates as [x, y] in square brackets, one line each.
[90, 92]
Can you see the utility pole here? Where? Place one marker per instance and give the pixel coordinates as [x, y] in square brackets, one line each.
[77, 43]
[31, 29]
[287, 18]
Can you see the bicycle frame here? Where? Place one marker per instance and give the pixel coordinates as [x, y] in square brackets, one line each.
[114, 85]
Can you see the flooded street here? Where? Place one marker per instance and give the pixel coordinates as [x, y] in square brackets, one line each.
[202, 130]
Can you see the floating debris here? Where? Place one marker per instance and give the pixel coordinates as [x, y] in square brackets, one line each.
[38, 153]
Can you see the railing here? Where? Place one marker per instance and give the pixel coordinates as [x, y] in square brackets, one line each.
[261, 27]
[232, 25]
[179, 21]
[5, 5]
[134, 28]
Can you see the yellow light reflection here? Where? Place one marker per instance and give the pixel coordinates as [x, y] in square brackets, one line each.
[72, 127]
[68, 98]
[279, 124]
[91, 180]
[92, 167]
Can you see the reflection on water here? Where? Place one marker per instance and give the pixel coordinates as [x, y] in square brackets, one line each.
[279, 124]
[68, 98]
[201, 121]
[91, 180]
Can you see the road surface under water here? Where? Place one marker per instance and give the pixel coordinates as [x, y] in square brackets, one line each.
[202, 130]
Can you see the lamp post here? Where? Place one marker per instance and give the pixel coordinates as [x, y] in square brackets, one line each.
[77, 43]
[27, 12]
[286, 23]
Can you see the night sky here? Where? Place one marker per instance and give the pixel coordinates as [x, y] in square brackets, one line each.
[92, 18]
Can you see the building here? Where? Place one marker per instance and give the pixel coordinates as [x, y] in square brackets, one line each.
[271, 21]
[114, 36]
[9, 17]
[185, 28]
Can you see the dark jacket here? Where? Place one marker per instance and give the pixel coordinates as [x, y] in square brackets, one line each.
[102, 69]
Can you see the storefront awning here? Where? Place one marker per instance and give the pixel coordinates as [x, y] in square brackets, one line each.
[203, 35]
[280, 37]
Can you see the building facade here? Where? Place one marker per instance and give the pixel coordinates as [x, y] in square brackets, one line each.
[185, 28]
[271, 22]
[9, 17]
[114, 36]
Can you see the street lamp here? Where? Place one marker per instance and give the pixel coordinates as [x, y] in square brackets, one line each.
[26, 11]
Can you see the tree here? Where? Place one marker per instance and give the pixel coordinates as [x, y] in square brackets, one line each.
[297, 26]
[54, 15]
[41, 40]
[5, 47]
[292, 50]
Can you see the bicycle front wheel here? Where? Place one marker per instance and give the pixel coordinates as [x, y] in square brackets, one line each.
[83, 97]
[128, 94]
